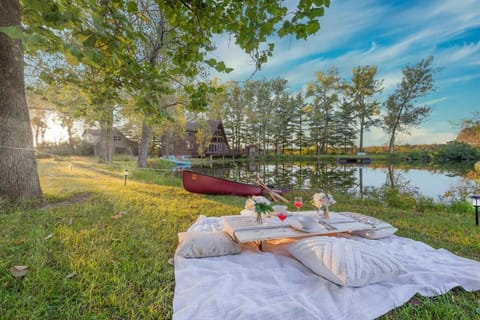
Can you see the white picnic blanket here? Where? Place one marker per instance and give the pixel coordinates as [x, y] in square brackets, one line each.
[273, 285]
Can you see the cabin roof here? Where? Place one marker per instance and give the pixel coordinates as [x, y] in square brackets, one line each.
[193, 126]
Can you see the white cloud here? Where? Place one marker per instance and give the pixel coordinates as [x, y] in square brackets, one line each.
[433, 134]
[426, 135]
[467, 54]
[434, 101]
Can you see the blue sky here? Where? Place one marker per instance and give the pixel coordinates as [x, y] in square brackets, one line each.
[390, 35]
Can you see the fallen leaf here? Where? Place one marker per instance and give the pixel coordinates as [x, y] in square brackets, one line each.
[21, 241]
[171, 261]
[19, 271]
[415, 302]
[49, 236]
[71, 275]
[119, 214]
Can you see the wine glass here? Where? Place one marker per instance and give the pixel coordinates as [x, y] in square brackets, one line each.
[280, 212]
[282, 216]
[298, 202]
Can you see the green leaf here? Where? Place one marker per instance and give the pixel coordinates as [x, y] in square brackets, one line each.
[71, 59]
[211, 62]
[14, 32]
[90, 41]
[316, 13]
[132, 7]
[312, 27]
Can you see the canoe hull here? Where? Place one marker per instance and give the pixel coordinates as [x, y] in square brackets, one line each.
[201, 183]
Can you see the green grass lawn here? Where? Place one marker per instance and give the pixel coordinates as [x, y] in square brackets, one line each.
[96, 249]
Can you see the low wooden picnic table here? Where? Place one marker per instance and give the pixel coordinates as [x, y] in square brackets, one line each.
[245, 229]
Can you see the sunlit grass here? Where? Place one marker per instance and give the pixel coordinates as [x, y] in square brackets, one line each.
[86, 264]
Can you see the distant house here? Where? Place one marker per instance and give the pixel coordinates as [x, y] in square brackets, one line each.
[252, 150]
[121, 144]
[187, 145]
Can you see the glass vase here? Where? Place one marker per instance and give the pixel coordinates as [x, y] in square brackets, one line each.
[259, 218]
[326, 214]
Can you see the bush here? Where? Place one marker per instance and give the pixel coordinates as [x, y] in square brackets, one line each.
[456, 152]
[84, 149]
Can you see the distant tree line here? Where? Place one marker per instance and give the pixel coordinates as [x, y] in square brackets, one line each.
[331, 113]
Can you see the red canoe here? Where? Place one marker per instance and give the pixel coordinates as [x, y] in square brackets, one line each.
[201, 183]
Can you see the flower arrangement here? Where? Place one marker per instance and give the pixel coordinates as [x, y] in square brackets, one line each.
[260, 205]
[323, 200]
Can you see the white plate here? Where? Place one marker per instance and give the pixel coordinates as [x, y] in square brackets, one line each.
[316, 228]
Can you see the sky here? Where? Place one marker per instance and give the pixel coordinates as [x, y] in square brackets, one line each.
[389, 35]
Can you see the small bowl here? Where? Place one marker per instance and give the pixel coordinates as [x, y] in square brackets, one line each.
[307, 222]
[279, 209]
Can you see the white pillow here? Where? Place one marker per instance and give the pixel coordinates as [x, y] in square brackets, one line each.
[206, 244]
[380, 229]
[345, 262]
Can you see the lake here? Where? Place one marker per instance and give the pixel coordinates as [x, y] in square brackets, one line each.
[439, 184]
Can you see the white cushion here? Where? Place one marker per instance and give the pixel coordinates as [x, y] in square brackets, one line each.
[345, 262]
[206, 244]
[380, 229]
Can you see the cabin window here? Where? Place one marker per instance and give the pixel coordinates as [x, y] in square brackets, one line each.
[117, 138]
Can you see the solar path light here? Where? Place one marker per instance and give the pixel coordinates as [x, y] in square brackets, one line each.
[476, 203]
[126, 176]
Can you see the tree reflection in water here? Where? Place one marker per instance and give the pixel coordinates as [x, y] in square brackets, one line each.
[430, 181]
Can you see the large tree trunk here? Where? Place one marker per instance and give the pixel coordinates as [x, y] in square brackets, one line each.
[144, 143]
[18, 167]
[106, 142]
[68, 123]
[391, 143]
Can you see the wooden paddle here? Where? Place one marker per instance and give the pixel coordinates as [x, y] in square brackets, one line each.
[273, 194]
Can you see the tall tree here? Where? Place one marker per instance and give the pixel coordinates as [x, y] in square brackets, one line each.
[18, 166]
[402, 111]
[346, 134]
[300, 123]
[324, 92]
[39, 111]
[282, 129]
[234, 121]
[361, 94]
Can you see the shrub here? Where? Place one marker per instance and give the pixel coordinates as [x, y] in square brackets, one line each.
[456, 152]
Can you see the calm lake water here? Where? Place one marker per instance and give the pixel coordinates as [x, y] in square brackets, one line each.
[438, 184]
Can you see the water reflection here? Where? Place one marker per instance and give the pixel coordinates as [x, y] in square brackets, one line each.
[435, 183]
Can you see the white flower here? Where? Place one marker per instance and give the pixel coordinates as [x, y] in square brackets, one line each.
[260, 199]
[249, 204]
[258, 204]
[319, 196]
[321, 199]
